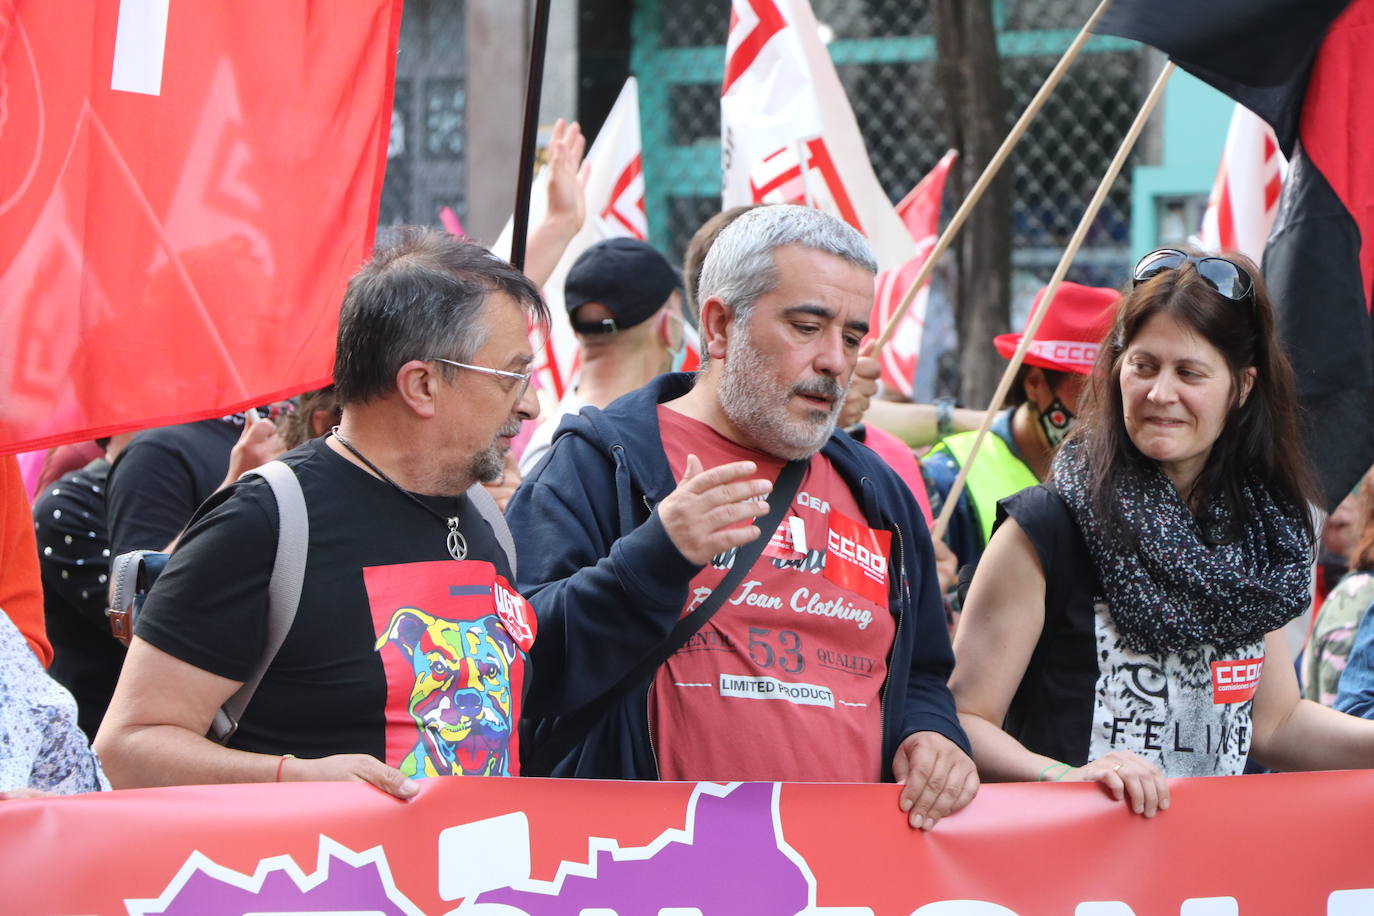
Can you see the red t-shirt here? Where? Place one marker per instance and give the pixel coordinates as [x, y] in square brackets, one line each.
[785, 681]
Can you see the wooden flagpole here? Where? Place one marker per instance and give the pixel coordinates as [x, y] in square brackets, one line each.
[521, 227]
[989, 173]
[1033, 325]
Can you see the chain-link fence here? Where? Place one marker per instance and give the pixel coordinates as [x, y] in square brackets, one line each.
[885, 54]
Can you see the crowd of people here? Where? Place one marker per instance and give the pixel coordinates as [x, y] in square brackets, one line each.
[720, 575]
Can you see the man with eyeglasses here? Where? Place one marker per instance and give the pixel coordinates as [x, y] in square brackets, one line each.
[407, 655]
[624, 301]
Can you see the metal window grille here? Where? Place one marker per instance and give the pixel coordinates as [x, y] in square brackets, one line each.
[884, 51]
[425, 157]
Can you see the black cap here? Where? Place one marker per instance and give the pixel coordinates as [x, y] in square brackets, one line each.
[627, 276]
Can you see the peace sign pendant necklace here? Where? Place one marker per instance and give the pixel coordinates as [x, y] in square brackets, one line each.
[457, 544]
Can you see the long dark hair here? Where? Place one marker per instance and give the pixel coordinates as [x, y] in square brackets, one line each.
[1259, 440]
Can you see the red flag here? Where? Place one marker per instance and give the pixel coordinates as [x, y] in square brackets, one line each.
[920, 211]
[184, 190]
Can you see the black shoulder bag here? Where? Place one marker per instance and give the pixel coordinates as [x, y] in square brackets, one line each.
[570, 731]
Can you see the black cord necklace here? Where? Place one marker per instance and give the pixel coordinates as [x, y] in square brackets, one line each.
[457, 544]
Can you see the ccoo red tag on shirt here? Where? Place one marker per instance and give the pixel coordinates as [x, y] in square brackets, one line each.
[1235, 680]
[856, 557]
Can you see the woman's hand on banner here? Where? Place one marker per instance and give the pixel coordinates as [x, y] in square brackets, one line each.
[1128, 778]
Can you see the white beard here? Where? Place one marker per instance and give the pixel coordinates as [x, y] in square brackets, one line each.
[756, 403]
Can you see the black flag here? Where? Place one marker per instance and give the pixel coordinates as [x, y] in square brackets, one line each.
[1306, 67]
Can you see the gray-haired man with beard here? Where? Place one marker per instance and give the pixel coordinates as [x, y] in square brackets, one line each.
[407, 653]
[828, 660]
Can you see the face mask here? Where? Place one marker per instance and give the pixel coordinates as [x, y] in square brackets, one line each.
[1056, 420]
[679, 358]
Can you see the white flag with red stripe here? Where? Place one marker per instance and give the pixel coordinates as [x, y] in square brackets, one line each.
[615, 208]
[1245, 196]
[788, 134]
[920, 211]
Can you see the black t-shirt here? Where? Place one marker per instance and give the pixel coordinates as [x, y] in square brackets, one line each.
[390, 631]
[1052, 710]
[74, 557]
[160, 478]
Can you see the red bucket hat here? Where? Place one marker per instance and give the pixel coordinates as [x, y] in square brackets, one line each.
[1077, 320]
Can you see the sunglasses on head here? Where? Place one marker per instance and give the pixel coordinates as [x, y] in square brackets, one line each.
[1227, 278]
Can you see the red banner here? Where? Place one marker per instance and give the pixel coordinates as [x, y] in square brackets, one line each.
[184, 190]
[1286, 845]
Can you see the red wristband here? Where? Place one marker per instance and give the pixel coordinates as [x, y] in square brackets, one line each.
[280, 763]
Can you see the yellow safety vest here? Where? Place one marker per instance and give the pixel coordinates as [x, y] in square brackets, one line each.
[996, 473]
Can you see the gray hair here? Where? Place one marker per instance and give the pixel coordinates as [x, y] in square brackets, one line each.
[420, 296]
[740, 267]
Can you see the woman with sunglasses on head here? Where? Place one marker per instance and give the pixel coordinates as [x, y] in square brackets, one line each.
[1121, 627]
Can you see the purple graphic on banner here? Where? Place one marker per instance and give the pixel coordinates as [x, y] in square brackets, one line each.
[344, 882]
[731, 858]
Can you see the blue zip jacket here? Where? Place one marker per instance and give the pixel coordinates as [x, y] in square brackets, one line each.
[608, 585]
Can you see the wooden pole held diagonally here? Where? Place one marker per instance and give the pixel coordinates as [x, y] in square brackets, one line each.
[994, 165]
[1038, 315]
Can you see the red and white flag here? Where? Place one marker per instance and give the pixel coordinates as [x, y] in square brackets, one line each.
[185, 189]
[788, 134]
[1245, 196]
[920, 211]
[615, 208]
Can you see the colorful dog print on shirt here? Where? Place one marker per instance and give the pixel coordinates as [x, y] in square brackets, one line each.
[461, 700]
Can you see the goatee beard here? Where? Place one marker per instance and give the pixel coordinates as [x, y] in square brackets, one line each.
[489, 465]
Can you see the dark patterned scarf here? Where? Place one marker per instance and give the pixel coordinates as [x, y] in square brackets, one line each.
[1171, 591]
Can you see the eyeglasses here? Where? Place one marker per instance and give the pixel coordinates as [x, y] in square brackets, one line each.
[1227, 278]
[522, 377]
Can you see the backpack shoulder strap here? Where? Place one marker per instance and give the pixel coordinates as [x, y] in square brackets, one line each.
[284, 589]
[487, 508]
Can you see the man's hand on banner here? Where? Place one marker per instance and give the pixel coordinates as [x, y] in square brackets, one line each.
[937, 778]
[863, 384]
[567, 204]
[349, 768]
[702, 515]
[1128, 778]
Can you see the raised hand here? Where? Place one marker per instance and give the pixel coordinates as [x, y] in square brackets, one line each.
[862, 386]
[699, 513]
